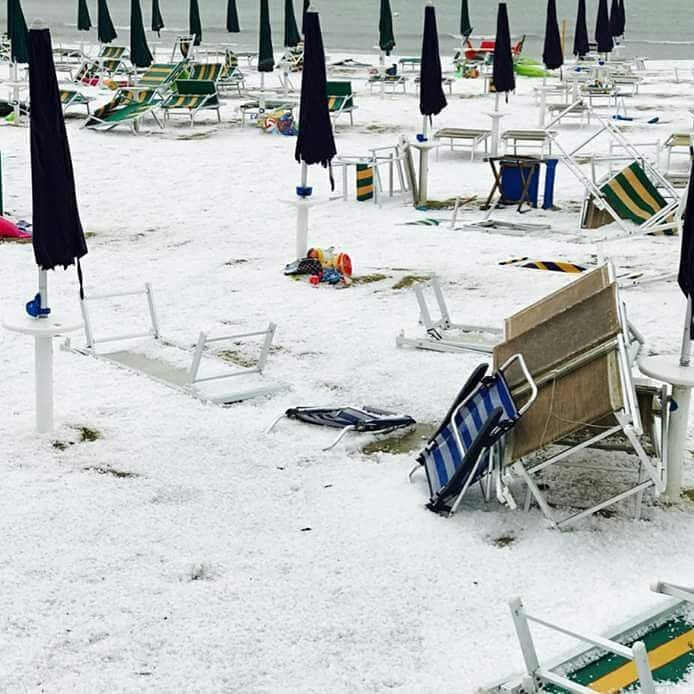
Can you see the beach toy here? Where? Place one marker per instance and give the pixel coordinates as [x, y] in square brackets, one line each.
[8, 230]
[315, 280]
[343, 264]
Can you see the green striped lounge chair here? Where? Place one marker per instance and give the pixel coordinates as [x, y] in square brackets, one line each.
[128, 107]
[632, 196]
[108, 62]
[196, 93]
[70, 98]
[341, 100]
[160, 77]
[231, 77]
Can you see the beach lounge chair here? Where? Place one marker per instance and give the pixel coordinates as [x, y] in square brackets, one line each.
[538, 141]
[293, 58]
[678, 141]
[341, 100]
[390, 81]
[231, 78]
[160, 76]
[580, 349]
[108, 63]
[196, 93]
[183, 48]
[465, 447]
[442, 334]
[70, 98]
[361, 420]
[469, 139]
[128, 107]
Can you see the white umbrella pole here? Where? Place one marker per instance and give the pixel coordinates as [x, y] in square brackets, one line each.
[496, 117]
[543, 106]
[302, 207]
[382, 72]
[43, 360]
[424, 162]
[687, 337]
[14, 77]
[262, 92]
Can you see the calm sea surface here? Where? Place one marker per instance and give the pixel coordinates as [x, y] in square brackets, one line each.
[657, 29]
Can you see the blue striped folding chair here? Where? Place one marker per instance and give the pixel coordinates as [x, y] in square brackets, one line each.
[467, 445]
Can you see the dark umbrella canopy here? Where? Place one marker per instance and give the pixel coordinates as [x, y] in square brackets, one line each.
[465, 25]
[194, 22]
[603, 35]
[266, 55]
[58, 238]
[431, 97]
[233, 26]
[84, 21]
[622, 18]
[140, 55]
[502, 75]
[104, 23]
[315, 143]
[306, 5]
[552, 55]
[291, 30]
[17, 31]
[157, 19]
[685, 277]
[581, 41]
[386, 37]
[614, 19]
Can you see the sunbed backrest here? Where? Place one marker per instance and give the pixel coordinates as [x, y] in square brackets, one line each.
[195, 87]
[206, 71]
[341, 95]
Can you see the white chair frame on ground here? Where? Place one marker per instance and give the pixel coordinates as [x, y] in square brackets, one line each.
[474, 338]
[195, 383]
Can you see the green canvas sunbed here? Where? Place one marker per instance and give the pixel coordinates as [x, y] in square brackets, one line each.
[340, 99]
[196, 93]
[128, 107]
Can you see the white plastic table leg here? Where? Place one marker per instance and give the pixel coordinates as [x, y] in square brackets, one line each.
[44, 383]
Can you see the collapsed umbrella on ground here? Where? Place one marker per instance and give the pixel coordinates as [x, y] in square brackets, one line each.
[581, 41]
[292, 37]
[503, 76]
[140, 55]
[104, 24]
[603, 35]
[232, 18]
[194, 21]
[552, 55]
[465, 25]
[18, 33]
[157, 19]
[84, 21]
[57, 238]
[431, 97]
[315, 143]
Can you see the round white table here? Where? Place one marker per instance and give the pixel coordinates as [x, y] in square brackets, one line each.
[43, 330]
[666, 369]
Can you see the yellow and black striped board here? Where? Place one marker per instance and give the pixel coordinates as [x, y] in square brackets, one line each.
[365, 182]
[548, 265]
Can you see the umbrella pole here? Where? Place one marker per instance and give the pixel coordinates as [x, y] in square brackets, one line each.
[382, 72]
[43, 364]
[302, 207]
[496, 118]
[687, 336]
[262, 92]
[424, 163]
[14, 77]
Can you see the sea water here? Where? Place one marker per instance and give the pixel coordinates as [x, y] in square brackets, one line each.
[663, 29]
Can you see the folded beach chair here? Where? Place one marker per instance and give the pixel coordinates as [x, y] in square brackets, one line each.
[579, 348]
[362, 420]
[196, 93]
[341, 100]
[128, 107]
[466, 446]
[70, 98]
[108, 63]
[231, 77]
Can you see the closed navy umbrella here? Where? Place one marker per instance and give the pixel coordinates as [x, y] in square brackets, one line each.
[291, 30]
[140, 55]
[552, 55]
[503, 75]
[157, 19]
[194, 21]
[17, 31]
[685, 276]
[614, 19]
[266, 55]
[603, 35]
[84, 21]
[622, 18]
[306, 5]
[581, 41]
[233, 26]
[104, 24]
[465, 25]
[315, 143]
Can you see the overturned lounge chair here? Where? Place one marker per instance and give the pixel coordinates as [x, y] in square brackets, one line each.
[466, 446]
[108, 63]
[128, 107]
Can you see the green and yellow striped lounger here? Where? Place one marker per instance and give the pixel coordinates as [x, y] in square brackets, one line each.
[197, 93]
[69, 98]
[127, 107]
[632, 195]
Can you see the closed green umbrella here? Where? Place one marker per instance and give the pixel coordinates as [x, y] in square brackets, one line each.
[386, 37]
[465, 26]
[157, 19]
[104, 23]
[140, 55]
[194, 23]
[18, 32]
[266, 56]
[232, 18]
[291, 30]
[84, 22]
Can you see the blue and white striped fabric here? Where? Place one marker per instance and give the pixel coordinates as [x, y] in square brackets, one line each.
[443, 456]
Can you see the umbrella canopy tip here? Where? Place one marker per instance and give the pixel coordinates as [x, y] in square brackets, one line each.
[38, 24]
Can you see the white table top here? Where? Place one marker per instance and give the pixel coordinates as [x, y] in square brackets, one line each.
[50, 326]
[666, 368]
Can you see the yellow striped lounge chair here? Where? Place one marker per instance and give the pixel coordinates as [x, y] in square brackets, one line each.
[341, 100]
[231, 77]
[128, 107]
[107, 63]
[70, 98]
[196, 93]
